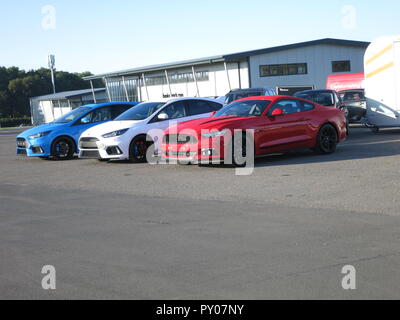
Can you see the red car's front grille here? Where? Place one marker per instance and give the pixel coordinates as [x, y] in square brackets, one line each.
[180, 139]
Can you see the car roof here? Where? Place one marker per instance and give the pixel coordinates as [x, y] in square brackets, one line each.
[251, 89]
[269, 98]
[192, 98]
[103, 104]
[351, 90]
[316, 91]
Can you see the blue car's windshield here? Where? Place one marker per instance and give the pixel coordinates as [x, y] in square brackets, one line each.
[247, 108]
[141, 111]
[73, 115]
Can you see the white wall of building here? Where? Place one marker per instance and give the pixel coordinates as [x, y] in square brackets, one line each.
[319, 61]
[46, 111]
[318, 57]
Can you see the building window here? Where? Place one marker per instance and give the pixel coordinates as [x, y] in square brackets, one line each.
[341, 66]
[291, 69]
[177, 78]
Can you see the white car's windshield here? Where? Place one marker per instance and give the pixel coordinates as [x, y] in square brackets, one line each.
[140, 112]
[249, 108]
[73, 115]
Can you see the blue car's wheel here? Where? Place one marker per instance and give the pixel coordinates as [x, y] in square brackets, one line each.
[63, 149]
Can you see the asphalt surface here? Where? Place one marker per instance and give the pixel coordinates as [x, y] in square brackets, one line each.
[136, 231]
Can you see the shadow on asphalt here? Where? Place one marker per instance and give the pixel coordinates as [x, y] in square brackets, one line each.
[361, 144]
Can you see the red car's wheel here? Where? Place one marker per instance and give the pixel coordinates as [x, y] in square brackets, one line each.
[326, 140]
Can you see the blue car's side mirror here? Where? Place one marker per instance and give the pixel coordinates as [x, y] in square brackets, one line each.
[85, 120]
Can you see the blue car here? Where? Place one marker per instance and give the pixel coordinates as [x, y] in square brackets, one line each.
[59, 139]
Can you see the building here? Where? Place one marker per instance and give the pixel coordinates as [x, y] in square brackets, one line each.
[288, 68]
[45, 109]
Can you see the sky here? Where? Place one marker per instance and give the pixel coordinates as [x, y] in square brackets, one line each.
[109, 35]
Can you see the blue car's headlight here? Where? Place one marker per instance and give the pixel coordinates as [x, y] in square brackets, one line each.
[39, 135]
[115, 133]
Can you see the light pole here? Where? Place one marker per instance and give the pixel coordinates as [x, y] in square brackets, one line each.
[52, 62]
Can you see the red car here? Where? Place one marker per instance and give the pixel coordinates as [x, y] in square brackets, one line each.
[269, 123]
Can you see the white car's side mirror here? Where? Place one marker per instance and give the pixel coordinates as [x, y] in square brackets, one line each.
[162, 116]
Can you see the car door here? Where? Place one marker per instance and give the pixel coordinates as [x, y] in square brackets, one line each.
[285, 131]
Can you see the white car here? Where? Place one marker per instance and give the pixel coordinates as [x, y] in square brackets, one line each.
[133, 132]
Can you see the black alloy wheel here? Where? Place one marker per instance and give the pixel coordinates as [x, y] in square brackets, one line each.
[63, 149]
[138, 150]
[327, 139]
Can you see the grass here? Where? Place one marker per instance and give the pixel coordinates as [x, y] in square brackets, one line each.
[13, 128]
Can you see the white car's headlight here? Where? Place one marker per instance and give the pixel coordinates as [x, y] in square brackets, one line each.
[115, 133]
[215, 134]
[39, 135]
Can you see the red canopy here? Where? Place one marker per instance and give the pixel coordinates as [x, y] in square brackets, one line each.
[340, 82]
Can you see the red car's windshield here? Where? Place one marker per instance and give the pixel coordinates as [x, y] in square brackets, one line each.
[247, 108]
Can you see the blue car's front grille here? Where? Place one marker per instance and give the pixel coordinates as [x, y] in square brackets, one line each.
[21, 143]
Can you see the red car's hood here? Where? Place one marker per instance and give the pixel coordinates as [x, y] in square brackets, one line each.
[212, 123]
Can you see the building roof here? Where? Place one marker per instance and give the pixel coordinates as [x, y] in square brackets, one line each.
[327, 41]
[158, 67]
[229, 57]
[69, 94]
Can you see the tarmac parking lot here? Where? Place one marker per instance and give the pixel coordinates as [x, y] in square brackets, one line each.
[139, 231]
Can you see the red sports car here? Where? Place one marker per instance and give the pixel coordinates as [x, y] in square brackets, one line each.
[264, 125]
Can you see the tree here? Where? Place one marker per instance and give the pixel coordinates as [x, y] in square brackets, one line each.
[18, 86]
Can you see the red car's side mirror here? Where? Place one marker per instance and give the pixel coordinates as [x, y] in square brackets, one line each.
[277, 112]
[213, 113]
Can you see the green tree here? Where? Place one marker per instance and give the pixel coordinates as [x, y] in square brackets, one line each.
[18, 86]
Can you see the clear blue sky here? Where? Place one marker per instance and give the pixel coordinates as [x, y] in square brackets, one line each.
[109, 35]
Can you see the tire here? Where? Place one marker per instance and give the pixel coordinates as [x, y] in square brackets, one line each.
[238, 149]
[138, 150]
[326, 140]
[63, 148]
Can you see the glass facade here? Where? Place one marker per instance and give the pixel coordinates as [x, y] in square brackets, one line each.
[118, 91]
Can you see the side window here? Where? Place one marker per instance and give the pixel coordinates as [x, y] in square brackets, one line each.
[117, 110]
[307, 106]
[324, 99]
[198, 107]
[175, 110]
[288, 106]
[101, 114]
[215, 106]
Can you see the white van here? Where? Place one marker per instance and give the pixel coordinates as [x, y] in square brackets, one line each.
[382, 83]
